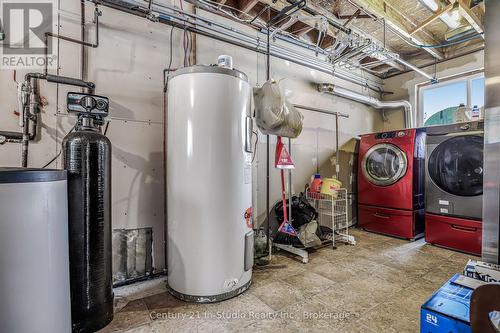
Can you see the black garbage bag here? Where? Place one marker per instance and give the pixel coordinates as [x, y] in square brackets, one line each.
[302, 213]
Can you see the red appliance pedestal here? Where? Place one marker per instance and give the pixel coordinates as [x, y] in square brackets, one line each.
[393, 222]
[454, 233]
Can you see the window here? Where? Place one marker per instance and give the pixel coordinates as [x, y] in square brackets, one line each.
[477, 96]
[439, 104]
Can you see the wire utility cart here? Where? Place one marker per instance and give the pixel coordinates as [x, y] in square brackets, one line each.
[333, 213]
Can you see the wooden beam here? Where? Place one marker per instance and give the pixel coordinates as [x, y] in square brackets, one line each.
[336, 8]
[360, 16]
[378, 8]
[247, 5]
[280, 4]
[432, 18]
[299, 29]
[352, 17]
[304, 31]
[470, 16]
[327, 42]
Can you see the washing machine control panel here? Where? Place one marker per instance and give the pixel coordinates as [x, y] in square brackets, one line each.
[390, 135]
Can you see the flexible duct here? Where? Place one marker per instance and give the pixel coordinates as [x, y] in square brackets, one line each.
[368, 100]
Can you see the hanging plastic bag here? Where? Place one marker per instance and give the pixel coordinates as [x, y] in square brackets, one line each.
[273, 114]
[268, 106]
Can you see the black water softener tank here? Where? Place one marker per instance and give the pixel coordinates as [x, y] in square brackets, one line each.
[87, 159]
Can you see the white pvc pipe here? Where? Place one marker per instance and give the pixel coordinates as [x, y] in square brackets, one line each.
[368, 100]
[413, 67]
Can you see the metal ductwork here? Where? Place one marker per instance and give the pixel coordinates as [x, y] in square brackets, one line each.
[368, 100]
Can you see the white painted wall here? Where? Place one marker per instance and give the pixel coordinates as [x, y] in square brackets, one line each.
[127, 67]
[404, 86]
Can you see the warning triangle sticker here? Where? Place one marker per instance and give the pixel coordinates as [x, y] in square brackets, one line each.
[287, 228]
[283, 160]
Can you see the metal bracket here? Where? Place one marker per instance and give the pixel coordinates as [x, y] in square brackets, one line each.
[153, 17]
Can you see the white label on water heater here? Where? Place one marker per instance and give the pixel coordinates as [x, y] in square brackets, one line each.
[230, 284]
[444, 202]
[443, 210]
[247, 174]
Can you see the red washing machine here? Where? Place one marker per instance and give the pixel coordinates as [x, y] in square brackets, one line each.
[391, 179]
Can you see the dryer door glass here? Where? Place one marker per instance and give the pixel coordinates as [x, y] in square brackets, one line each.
[384, 164]
[456, 165]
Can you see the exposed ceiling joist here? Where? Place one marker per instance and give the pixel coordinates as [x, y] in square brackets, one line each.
[330, 16]
[379, 8]
[470, 16]
[280, 4]
[352, 17]
[360, 16]
[304, 31]
[335, 10]
[247, 5]
[432, 18]
[306, 25]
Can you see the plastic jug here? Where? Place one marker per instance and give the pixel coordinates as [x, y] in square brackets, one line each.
[316, 183]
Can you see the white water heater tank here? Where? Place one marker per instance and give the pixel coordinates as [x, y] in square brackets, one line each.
[209, 179]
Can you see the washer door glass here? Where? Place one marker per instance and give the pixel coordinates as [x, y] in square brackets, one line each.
[456, 165]
[384, 164]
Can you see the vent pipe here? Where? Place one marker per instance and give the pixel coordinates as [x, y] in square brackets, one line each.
[368, 100]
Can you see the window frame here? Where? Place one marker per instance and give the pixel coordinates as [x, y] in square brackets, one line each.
[467, 77]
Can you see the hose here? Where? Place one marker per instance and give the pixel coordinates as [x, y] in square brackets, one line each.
[436, 46]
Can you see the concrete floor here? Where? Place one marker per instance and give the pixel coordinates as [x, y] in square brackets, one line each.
[377, 285]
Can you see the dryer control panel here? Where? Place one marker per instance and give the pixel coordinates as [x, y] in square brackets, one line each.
[390, 135]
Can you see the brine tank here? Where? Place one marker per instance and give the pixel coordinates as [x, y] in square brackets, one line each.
[34, 278]
[209, 179]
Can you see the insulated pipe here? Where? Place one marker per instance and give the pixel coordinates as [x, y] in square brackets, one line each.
[60, 79]
[70, 81]
[413, 67]
[368, 100]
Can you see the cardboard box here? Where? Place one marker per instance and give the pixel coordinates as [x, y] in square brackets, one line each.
[447, 310]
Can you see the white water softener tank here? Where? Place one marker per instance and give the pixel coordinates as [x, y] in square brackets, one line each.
[209, 179]
[34, 274]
